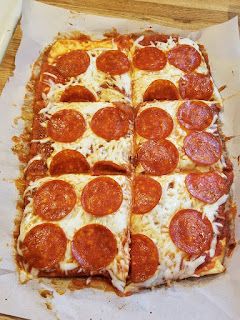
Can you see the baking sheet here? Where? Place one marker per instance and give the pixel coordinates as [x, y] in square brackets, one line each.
[210, 298]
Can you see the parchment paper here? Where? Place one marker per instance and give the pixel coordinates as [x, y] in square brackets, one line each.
[210, 298]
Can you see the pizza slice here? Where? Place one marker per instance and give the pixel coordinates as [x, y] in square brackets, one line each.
[81, 137]
[76, 225]
[85, 70]
[170, 68]
[178, 135]
[178, 227]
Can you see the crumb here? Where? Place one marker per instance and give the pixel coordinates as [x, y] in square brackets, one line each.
[228, 138]
[222, 88]
[46, 293]
[48, 305]
[16, 120]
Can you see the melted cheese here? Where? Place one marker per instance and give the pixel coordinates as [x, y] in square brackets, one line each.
[93, 147]
[117, 222]
[177, 137]
[174, 263]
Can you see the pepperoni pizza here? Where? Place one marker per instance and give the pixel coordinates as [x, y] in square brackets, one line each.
[81, 138]
[178, 135]
[79, 71]
[170, 70]
[179, 218]
[128, 176]
[77, 225]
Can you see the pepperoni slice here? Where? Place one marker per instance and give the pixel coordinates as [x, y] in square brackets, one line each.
[107, 167]
[43, 149]
[110, 123]
[94, 247]
[38, 105]
[194, 115]
[77, 94]
[68, 161]
[184, 57]
[66, 125]
[224, 229]
[73, 63]
[230, 176]
[146, 194]
[196, 86]
[150, 59]
[81, 37]
[203, 148]
[35, 170]
[154, 123]
[209, 262]
[38, 131]
[126, 108]
[158, 158]
[207, 187]
[48, 74]
[154, 38]
[113, 62]
[54, 200]
[123, 41]
[102, 196]
[144, 258]
[190, 232]
[161, 90]
[40, 89]
[44, 246]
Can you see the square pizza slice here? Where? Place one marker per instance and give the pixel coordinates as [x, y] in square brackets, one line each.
[178, 136]
[178, 227]
[76, 225]
[81, 138]
[170, 69]
[85, 70]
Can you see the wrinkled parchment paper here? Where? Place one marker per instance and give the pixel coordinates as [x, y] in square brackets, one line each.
[209, 298]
